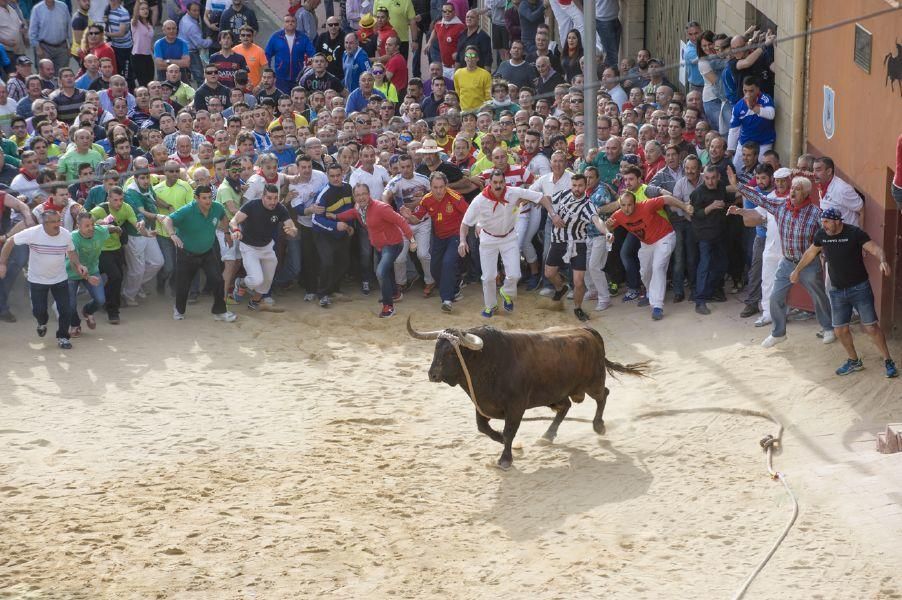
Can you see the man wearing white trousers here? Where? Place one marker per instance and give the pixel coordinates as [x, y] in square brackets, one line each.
[657, 241]
[143, 257]
[496, 211]
[255, 225]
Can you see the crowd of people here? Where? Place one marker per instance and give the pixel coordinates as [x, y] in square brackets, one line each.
[158, 140]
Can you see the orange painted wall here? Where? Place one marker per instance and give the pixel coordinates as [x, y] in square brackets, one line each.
[868, 119]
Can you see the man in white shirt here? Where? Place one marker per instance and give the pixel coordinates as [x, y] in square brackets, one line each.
[496, 211]
[610, 78]
[558, 180]
[303, 193]
[48, 245]
[837, 193]
[405, 190]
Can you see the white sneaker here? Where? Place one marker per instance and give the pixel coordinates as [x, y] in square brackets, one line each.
[602, 305]
[771, 341]
[268, 300]
[309, 297]
[570, 294]
[228, 316]
[593, 295]
[177, 315]
[141, 294]
[547, 292]
[762, 321]
[126, 301]
[829, 337]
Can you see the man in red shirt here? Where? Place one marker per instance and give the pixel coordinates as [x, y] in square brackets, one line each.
[446, 208]
[447, 32]
[395, 65]
[657, 241]
[387, 230]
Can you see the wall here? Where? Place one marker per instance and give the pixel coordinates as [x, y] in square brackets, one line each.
[868, 118]
[731, 19]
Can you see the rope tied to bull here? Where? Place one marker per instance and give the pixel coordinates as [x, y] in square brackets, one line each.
[769, 444]
[455, 343]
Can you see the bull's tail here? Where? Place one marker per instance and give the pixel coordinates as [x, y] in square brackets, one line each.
[639, 369]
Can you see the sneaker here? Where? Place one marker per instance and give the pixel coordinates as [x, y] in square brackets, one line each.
[253, 304]
[113, 318]
[458, 296]
[558, 294]
[593, 295]
[141, 295]
[7, 317]
[602, 305]
[325, 301]
[613, 288]
[547, 292]
[799, 315]
[309, 297]
[64, 343]
[850, 366]
[428, 289]
[643, 300]
[570, 295]
[702, 308]
[413, 280]
[772, 340]
[718, 296]
[227, 316]
[365, 288]
[398, 296]
[829, 337]
[42, 330]
[630, 295]
[74, 332]
[268, 300]
[749, 310]
[762, 321]
[177, 316]
[657, 314]
[447, 306]
[890, 366]
[487, 312]
[581, 314]
[506, 301]
[238, 290]
[388, 311]
[532, 282]
[126, 301]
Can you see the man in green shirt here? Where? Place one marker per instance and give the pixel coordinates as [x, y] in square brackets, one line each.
[97, 195]
[607, 161]
[143, 257]
[82, 153]
[229, 195]
[112, 258]
[171, 194]
[89, 240]
[192, 230]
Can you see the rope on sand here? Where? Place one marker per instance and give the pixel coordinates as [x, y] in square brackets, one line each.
[768, 443]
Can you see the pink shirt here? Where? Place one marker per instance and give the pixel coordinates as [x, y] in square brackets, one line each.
[142, 38]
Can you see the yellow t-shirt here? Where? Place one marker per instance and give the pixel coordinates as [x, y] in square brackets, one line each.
[299, 121]
[474, 88]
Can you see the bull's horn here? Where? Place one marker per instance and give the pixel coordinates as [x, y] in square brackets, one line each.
[424, 335]
[473, 342]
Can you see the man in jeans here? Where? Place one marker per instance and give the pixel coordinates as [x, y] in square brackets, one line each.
[49, 245]
[798, 220]
[607, 25]
[709, 203]
[192, 229]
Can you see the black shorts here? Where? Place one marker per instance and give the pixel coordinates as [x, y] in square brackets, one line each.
[557, 252]
[500, 37]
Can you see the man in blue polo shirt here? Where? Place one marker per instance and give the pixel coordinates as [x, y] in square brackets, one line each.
[170, 50]
[753, 121]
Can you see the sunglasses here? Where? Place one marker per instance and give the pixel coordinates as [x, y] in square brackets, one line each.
[471, 55]
[332, 24]
[378, 72]
[361, 122]
[94, 33]
[211, 72]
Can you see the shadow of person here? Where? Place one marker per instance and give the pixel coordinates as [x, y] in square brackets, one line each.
[528, 504]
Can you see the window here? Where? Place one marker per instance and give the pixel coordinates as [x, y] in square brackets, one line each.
[755, 17]
[862, 56]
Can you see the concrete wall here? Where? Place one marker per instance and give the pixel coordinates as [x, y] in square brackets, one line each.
[632, 17]
[731, 20]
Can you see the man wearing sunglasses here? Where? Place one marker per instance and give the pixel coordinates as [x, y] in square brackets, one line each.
[330, 44]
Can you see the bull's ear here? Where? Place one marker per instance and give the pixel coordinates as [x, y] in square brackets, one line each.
[473, 342]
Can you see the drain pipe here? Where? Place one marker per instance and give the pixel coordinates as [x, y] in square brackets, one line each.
[799, 82]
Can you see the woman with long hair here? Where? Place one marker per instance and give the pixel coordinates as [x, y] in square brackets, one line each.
[94, 42]
[711, 65]
[571, 52]
[142, 36]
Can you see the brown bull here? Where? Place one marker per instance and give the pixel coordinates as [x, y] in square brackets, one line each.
[512, 371]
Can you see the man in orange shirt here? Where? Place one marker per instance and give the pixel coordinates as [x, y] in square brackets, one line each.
[253, 55]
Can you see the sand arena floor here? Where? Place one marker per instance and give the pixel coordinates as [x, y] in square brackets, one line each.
[306, 455]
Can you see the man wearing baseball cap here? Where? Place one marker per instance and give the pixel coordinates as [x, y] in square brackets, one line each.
[842, 245]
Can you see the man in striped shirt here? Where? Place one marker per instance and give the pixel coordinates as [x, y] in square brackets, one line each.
[798, 220]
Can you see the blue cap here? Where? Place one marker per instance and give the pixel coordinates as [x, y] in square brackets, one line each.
[831, 214]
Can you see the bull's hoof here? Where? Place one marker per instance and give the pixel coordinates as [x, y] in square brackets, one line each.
[545, 440]
[505, 463]
[599, 427]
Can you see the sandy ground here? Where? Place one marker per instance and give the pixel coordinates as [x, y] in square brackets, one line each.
[305, 454]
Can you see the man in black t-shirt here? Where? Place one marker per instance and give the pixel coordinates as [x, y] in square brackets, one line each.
[842, 245]
[709, 224]
[255, 225]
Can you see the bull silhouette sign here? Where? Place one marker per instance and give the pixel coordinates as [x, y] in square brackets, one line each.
[894, 69]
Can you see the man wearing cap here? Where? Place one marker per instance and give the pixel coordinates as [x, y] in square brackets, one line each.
[16, 83]
[842, 245]
[798, 220]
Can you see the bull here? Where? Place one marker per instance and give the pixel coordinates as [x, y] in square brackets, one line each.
[507, 372]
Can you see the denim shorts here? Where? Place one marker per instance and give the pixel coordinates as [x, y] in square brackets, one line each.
[860, 297]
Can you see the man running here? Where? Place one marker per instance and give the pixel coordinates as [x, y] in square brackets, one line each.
[49, 245]
[496, 212]
[89, 240]
[255, 226]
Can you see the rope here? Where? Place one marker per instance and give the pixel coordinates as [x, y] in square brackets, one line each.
[768, 444]
[455, 343]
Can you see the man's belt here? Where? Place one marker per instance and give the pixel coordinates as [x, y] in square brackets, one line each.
[498, 236]
[63, 43]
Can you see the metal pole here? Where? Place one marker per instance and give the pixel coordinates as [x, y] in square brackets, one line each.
[590, 77]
